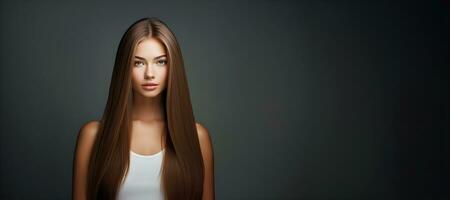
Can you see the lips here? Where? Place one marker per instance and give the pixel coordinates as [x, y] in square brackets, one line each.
[149, 84]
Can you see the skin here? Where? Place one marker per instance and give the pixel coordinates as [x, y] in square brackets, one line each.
[148, 66]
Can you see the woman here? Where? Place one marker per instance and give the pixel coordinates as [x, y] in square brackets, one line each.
[147, 144]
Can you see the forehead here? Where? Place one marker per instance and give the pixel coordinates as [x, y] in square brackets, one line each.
[149, 48]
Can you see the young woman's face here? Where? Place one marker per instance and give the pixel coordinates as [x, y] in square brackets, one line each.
[149, 66]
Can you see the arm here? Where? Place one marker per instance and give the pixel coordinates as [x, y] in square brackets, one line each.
[85, 141]
[208, 159]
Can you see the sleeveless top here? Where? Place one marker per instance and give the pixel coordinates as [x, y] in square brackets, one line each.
[143, 178]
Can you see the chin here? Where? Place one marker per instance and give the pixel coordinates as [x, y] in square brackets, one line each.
[150, 94]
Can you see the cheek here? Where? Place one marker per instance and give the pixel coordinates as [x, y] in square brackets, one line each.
[165, 74]
[135, 77]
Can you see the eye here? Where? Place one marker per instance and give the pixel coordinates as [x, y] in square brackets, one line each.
[137, 63]
[161, 62]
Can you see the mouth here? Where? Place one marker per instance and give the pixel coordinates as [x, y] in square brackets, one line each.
[149, 86]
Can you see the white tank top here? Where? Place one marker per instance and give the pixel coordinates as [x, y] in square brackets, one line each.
[143, 178]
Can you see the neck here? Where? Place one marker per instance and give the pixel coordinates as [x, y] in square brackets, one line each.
[147, 109]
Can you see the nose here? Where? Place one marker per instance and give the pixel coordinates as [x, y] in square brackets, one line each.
[149, 73]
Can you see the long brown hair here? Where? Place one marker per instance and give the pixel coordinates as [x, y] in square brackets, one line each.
[182, 167]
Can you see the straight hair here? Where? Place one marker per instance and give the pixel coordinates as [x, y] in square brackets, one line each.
[182, 169]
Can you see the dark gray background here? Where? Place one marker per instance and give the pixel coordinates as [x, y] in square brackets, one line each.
[303, 100]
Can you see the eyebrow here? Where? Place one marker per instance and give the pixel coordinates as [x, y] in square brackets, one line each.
[153, 58]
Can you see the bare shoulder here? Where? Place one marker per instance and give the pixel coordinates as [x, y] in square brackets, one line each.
[203, 132]
[208, 161]
[87, 134]
[89, 129]
[85, 141]
[205, 140]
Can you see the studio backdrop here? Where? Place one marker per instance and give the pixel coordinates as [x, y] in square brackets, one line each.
[302, 99]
